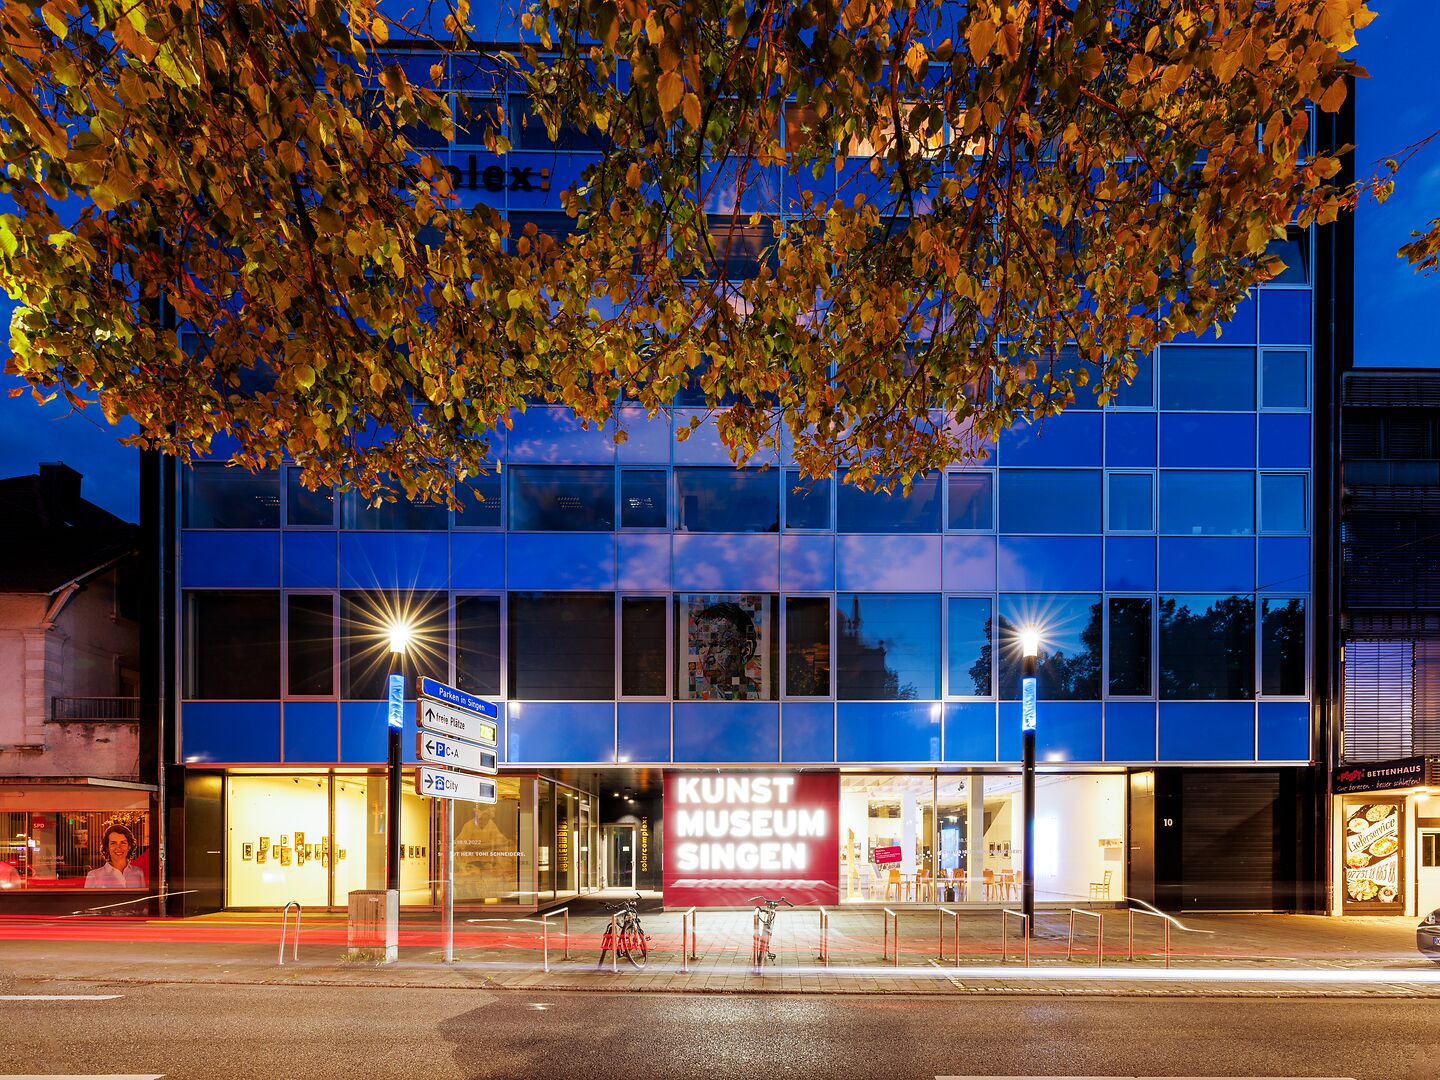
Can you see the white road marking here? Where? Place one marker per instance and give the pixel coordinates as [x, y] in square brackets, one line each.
[57, 997]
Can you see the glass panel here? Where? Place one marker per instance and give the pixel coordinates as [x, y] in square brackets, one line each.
[727, 500]
[1285, 379]
[1291, 251]
[1282, 647]
[566, 822]
[494, 847]
[887, 833]
[234, 645]
[365, 622]
[46, 849]
[807, 502]
[399, 514]
[1282, 502]
[1050, 500]
[1207, 647]
[219, 497]
[807, 646]
[357, 851]
[642, 646]
[527, 131]
[642, 499]
[476, 117]
[545, 827]
[1079, 835]
[1207, 503]
[477, 644]
[1131, 505]
[480, 500]
[584, 669]
[889, 647]
[972, 500]
[1207, 377]
[1067, 667]
[970, 647]
[952, 825]
[310, 645]
[305, 507]
[1140, 392]
[1130, 646]
[727, 647]
[877, 512]
[278, 836]
[562, 498]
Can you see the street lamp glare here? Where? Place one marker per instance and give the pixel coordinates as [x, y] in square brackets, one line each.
[1030, 641]
[399, 633]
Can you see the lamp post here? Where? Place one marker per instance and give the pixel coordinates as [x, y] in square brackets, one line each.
[1030, 648]
[399, 633]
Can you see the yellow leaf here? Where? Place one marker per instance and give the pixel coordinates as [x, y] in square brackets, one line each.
[1334, 96]
[981, 38]
[690, 108]
[671, 89]
[378, 30]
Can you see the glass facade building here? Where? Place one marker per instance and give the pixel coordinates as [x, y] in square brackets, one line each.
[646, 609]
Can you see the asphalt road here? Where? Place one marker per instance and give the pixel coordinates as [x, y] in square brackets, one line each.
[218, 1032]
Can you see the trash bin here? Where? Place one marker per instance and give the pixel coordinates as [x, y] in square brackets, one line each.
[373, 930]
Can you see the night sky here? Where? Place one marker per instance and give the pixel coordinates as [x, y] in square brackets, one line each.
[1395, 321]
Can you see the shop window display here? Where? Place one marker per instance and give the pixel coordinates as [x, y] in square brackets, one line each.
[57, 850]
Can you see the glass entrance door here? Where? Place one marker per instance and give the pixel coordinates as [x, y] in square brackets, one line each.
[620, 852]
[1428, 874]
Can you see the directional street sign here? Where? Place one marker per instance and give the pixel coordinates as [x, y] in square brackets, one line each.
[457, 723]
[440, 784]
[457, 755]
[458, 698]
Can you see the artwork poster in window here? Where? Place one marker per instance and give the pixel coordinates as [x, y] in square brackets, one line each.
[1374, 876]
[727, 643]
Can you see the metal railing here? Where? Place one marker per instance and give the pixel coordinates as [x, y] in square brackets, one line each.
[284, 920]
[889, 917]
[688, 949]
[100, 709]
[1130, 945]
[545, 934]
[1005, 916]
[940, 927]
[1099, 935]
[824, 937]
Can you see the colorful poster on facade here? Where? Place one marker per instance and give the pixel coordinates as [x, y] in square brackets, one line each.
[733, 836]
[1374, 872]
[727, 647]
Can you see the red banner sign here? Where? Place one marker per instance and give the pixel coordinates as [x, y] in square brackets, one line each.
[731, 836]
[884, 855]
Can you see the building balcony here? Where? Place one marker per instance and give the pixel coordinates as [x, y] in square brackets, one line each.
[105, 710]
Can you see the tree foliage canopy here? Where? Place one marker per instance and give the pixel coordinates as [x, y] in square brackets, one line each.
[969, 214]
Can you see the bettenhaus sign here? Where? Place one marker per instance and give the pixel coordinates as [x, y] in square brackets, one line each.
[732, 836]
[1379, 775]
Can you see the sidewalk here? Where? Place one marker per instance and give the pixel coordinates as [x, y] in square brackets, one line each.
[1209, 955]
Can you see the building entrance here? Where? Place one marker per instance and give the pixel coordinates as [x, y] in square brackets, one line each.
[620, 856]
[1428, 871]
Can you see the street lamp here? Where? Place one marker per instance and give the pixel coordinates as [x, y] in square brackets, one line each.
[1029, 648]
[399, 635]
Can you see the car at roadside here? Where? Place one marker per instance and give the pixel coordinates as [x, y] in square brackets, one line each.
[1427, 936]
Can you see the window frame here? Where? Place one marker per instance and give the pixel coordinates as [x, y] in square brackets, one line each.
[1106, 694]
[1150, 474]
[285, 595]
[994, 481]
[785, 486]
[1097, 471]
[458, 519]
[667, 603]
[508, 514]
[336, 498]
[1304, 478]
[485, 594]
[1261, 599]
[666, 489]
[1309, 355]
[784, 672]
[947, 692]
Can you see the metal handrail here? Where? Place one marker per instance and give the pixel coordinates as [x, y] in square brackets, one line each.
[545, 934]
[1165, 919]
[1005, 916]
[1099, 935]
[284, 920]
[824, 937]
[687, 951]
[940, 927]
[890, 916]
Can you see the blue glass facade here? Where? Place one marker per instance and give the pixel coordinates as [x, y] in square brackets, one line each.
[1196, 502]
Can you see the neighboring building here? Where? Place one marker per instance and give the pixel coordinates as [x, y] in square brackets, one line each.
[70, 743]
[655, 621]
[1386, 815]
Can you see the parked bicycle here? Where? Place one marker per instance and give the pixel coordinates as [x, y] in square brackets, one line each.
[625, 934]
[765, 915]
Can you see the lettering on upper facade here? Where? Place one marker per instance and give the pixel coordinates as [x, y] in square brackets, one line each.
[496, 178]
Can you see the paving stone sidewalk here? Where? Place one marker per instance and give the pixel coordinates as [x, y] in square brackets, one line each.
[1213, 954]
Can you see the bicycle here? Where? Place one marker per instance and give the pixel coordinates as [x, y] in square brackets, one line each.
[629, 938]
[765, 914]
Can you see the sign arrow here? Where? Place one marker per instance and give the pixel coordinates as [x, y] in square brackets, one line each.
[459, 755]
